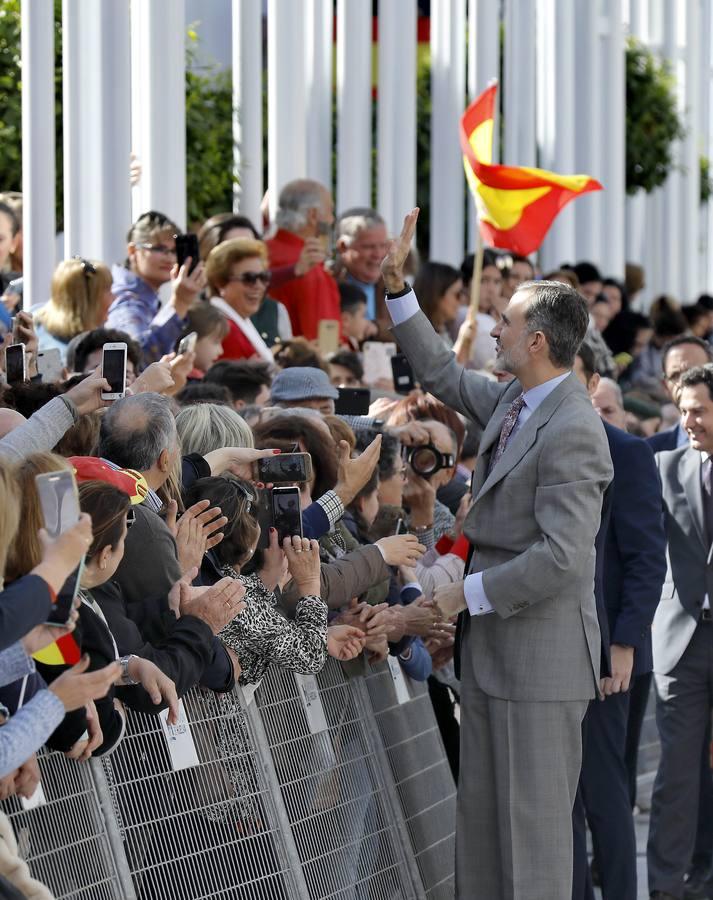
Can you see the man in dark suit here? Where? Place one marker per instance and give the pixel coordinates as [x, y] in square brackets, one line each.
[631, 548]
[682, 638]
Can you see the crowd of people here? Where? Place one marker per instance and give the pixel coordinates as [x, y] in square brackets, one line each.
[183, 579]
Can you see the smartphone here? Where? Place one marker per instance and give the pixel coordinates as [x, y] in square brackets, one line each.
[377, 361]
[188, 343]
[403, 374]
[114, 370]
[401, 527]
[353, 402]
[49, 365]
[286, 512]
[187, 245]
[328, 336]
[59, 501]
[263, 515]
[15, 364]
[285, 467]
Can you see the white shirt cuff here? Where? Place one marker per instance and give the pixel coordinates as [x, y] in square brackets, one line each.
[478, 604]
[412, 584]
[402, 308]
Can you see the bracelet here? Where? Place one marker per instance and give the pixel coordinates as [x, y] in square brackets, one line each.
[126, 679]
[71, 406]
[420, 529]
[406, 289]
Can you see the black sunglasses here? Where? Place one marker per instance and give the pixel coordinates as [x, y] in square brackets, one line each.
[252, 278]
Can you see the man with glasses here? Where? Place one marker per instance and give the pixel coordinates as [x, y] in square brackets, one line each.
[679, 355]
[150, 263]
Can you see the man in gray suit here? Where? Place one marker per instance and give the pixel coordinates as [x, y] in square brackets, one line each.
[530, 645]
[683, 639]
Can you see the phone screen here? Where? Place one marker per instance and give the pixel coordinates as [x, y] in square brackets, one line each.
[286, 513]
[187, 245]
[114, 369]
[285, 467]
[15, 363]
[188, 343]
[353, 402]
[59, 500]
[62, 607]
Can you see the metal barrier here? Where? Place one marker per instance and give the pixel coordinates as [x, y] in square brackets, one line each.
[287, 792]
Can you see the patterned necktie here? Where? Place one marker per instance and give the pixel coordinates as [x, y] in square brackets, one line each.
[505, 432]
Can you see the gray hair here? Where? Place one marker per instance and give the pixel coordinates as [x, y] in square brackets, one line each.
[561, 314]
[353, 221]
[612, 385]
[136, 430]
[296, 198]
[204, 427]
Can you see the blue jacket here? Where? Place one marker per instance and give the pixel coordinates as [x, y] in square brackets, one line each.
[664, 440]
[634, 549]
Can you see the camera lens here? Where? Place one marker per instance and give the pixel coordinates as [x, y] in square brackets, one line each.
[424, 461]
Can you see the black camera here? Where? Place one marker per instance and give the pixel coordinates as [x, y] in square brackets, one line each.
[426, 460]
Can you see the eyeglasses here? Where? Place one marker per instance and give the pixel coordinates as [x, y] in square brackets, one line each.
[252, 278]
[161, 249]
[249, 496]
[130, 517]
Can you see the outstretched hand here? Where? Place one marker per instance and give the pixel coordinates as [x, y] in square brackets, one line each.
[392, 266]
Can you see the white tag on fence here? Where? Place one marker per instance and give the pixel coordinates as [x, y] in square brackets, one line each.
[312, 703]
[397, 676]
[37, 799]
[249, 692]
[179, 740]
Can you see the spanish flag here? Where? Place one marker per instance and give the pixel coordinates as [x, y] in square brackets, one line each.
[516, 204]
[64, 652]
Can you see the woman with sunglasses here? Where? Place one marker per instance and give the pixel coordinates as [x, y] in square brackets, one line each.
[238, 279]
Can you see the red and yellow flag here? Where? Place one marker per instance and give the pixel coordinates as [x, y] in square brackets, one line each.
[64, 652]
[516, 204]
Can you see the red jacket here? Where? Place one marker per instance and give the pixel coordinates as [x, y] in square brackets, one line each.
[236, 345]
[308, 299]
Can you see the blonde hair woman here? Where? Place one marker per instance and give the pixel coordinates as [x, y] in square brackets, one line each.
[80, 300]
[205, 427]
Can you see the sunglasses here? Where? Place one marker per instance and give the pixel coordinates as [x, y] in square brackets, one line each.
[161, 249]
[249, 496]
[252, 278]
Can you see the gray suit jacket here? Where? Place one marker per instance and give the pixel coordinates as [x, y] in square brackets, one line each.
[532, 526]
[689, 574]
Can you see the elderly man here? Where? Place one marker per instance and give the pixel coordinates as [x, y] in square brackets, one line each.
[362, 243]
[304, 386]
[305, 215]
[608, 401]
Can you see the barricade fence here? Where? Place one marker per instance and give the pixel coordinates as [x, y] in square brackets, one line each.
[323, 786]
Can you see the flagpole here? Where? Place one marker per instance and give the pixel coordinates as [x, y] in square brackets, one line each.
[469, 328]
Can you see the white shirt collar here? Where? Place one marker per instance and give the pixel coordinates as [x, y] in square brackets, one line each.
[246, 326]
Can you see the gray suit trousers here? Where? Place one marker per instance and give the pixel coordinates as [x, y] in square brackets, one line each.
[520, 764]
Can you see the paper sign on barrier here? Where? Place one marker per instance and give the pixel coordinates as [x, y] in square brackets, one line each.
[312, 703]
[397, 676]
[37, 799]
[179, 740]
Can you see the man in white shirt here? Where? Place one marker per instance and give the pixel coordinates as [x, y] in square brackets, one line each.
[529, 641]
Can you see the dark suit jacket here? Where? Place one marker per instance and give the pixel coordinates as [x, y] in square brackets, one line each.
[664, 440]
[633, 547]
[23, 604]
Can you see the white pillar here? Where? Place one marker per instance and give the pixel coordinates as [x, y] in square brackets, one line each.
[670, 235]
[706, 262]
[158, 90]
[636, 204]
[612, 162]
[320, 22]
[38, 150]
[447, 105]
[96, 87]
[247, 108]
[286, 119]
[483, 66]
[519, 98]
[557, 116]
[353, 104]
[396, 130]
[690, 150]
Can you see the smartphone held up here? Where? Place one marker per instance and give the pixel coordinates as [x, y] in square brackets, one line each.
[114, 370]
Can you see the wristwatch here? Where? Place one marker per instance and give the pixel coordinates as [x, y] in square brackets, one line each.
[126, 679]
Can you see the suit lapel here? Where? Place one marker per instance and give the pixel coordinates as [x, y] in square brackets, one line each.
[691, 481]
[492, 434]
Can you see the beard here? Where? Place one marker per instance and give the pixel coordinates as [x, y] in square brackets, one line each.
[513, 359]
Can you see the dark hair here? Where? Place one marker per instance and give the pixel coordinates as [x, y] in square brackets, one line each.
[431, 283]
[490, 258]
[12, 216]
[203, 392]
[321, 448]
[82, 438]
[426, 407]
[588, 359]
[667, 319]
[389, 454]
[81, 347]
[108, 506]
[205, 319]
[561, 314]
[148, 224]
[27, 397]
[517, 258]
[694, 313]
[233, 496]
[706, 301]
[679, 342]
[212, 232]
[620, 333]
[299, 352]
[351, 297]
[586, 272]
[242, 378]
[698, 375]
[348, 360]
[619, 285]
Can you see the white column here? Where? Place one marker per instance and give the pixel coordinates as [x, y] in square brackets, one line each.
[519, 98]
[38, 150]
[612, 162]
[690, 151]
[286, 118]
[669, 245]
[396, 130]
[636, 204]
[353, 104]
[247, 108]
[706, 261]
[96, 87]
[158, 104]
[320, 22]
[483, 66]
[447, 105]
[557, 115]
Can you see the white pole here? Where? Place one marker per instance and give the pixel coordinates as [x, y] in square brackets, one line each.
[636, 204]
[286, 119]
[556, 21]
[690, 177]
[447, 105]
[158, 88]
[519, 96]
[320, 22]
[670, 234]
[706, 268]
[38, 150]
[96, 77]
[397, 111]
[353, 104]
[612, 163]
[247, 108]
